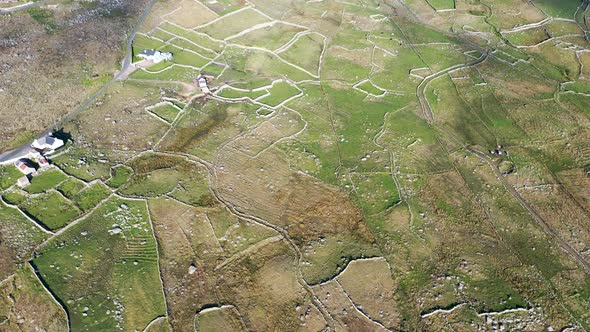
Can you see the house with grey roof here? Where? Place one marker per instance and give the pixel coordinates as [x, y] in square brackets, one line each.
[47, 144]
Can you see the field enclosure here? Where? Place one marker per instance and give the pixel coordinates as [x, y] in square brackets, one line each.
[416, 165]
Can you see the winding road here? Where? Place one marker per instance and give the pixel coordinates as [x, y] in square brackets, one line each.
[23, 151]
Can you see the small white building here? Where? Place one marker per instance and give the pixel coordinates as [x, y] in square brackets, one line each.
[24, 166]
[202, 81]
[47, 144]
[23, 182]
[155, 56]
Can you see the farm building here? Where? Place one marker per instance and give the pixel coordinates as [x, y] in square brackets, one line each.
[155, 56]
[24, 166]
[202, 81]
[47, 144]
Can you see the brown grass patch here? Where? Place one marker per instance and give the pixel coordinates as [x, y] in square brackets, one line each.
[346, 316]
[26, 306]
[577, 183]
[306, 208]
[264, 288]
[186, 239]
[191, 13]
[222, 319]
[50, 70]
[370, 285]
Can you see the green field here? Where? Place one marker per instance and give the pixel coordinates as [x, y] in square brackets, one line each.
[233, 93]
[205, 42]
[150, 184]
[46, 180]
[107, 280]
[233, 24]
[14, 197]
[185, 55]
[305, 52]
[90, 197]
[166, 112]
[86, 164]
[158, 67]
[579, 87]
[528, 37]
[250, 64]
[119, 176]
[270, 38]
[172, 73]
[8, 176]
[71, 187]
[559, 8]
[368, 87]
[19, 239]
[279, 92]
[442, 4]
[51, 209]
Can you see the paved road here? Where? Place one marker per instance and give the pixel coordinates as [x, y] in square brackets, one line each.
[24, 150]
[22, 7]
[10, 156]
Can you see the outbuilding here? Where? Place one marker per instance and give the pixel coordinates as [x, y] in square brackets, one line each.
[24, 166]
[155, 56]
[202, 81]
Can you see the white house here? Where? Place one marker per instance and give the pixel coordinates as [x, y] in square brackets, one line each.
[155, 56]
[24, 166]
[203, 84]
[47, 144]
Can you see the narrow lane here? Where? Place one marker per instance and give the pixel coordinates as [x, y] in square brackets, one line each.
[22, 7]
[26, 149]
